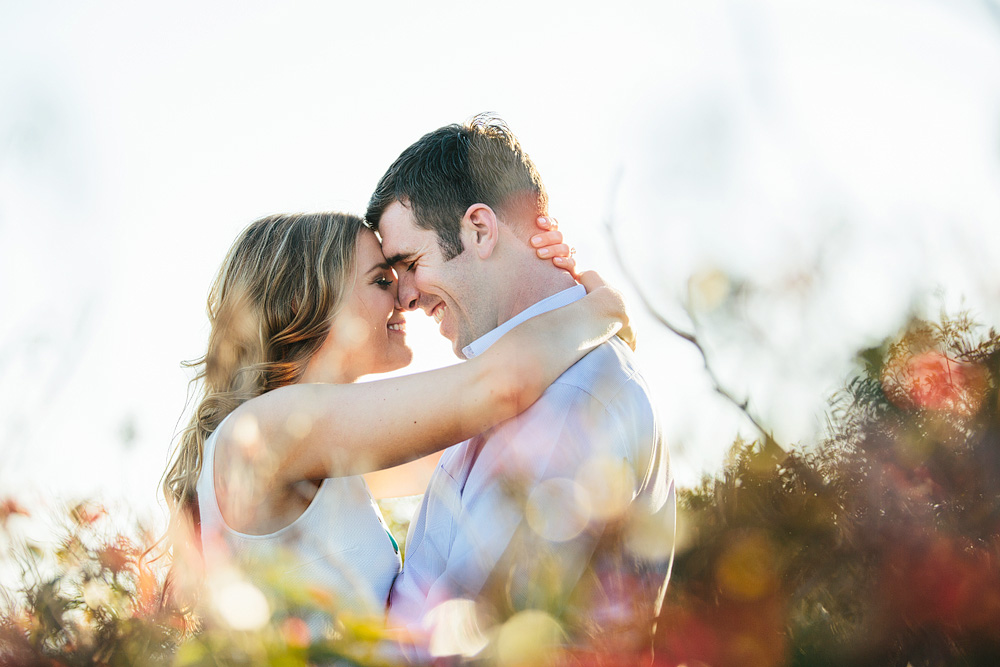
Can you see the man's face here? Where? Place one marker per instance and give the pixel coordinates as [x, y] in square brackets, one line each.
[449, 291]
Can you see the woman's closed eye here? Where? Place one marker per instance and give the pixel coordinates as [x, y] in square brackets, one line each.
[383, 282]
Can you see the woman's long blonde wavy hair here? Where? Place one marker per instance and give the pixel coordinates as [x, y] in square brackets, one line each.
[269, 309]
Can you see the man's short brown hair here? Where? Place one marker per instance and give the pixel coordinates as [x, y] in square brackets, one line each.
[448, 170]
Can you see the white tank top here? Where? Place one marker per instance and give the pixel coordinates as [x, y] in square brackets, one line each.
[339, 543]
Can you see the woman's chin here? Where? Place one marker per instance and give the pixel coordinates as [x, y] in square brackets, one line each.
[400, 358]
[405, 357]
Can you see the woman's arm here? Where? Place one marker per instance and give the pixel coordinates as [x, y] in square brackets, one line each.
[313, 431]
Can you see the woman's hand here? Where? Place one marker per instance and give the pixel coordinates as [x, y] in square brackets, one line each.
[549, 245]
[593, 282]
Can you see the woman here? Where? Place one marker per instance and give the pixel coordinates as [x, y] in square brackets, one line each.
[269, 464]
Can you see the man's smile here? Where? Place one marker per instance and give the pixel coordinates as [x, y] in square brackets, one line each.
[438, 312]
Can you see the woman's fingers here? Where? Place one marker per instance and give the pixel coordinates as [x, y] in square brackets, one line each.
[545, 222]
[567, 264]
[627, 334]
[591, 280]
[557, 250]
[549, 245]
[546, 239]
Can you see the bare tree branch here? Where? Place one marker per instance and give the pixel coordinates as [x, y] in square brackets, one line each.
[743, 405]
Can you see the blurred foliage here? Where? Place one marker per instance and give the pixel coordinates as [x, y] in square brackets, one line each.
[95, 597]
[880, 547]
[86, 599]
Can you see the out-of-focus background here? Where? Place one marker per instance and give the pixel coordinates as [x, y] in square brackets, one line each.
[789, 180]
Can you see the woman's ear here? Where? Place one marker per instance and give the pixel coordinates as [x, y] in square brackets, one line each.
[480, 230]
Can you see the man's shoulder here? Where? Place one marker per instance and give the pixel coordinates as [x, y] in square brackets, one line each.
[606, 374]
[601, 407]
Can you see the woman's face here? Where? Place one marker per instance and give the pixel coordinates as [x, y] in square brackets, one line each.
[370, 331]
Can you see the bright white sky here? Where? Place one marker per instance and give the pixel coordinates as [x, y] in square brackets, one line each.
[842, 157]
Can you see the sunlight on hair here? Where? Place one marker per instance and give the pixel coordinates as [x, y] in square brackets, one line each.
[298, 424]
[608, 482]
[530, 637]
[558, 509]
[239, 603]
[456, 629]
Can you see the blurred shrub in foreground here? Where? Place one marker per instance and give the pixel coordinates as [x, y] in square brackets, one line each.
[96, 597]
[879, 547]
[87, 599]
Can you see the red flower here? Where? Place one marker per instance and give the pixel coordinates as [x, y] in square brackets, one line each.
[9, 507]
[114, 558]
[88, 512]
[296, 632]
[933, 381]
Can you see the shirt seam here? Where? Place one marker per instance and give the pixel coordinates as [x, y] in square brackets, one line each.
[611, 398]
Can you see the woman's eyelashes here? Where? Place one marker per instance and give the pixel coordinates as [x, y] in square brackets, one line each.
[383, 282]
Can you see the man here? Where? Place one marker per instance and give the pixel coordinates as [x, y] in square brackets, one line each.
[568, 507]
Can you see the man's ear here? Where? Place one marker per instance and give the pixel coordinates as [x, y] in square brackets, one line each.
[480, 230]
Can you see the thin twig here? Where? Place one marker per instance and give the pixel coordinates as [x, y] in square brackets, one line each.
[743, 405]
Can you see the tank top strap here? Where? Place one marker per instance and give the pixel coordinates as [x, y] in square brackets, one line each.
[208, 503]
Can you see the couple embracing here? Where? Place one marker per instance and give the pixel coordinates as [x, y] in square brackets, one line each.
[559, 494]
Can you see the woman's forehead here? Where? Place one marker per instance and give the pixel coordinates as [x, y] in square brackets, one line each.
[369, 250]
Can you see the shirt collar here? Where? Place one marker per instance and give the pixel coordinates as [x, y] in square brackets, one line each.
[557, 300]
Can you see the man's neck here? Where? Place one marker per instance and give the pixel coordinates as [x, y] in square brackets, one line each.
[534, 281]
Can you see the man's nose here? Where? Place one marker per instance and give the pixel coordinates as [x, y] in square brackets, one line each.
[407, 296]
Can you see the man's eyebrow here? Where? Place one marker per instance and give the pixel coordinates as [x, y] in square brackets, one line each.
[398, 258]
